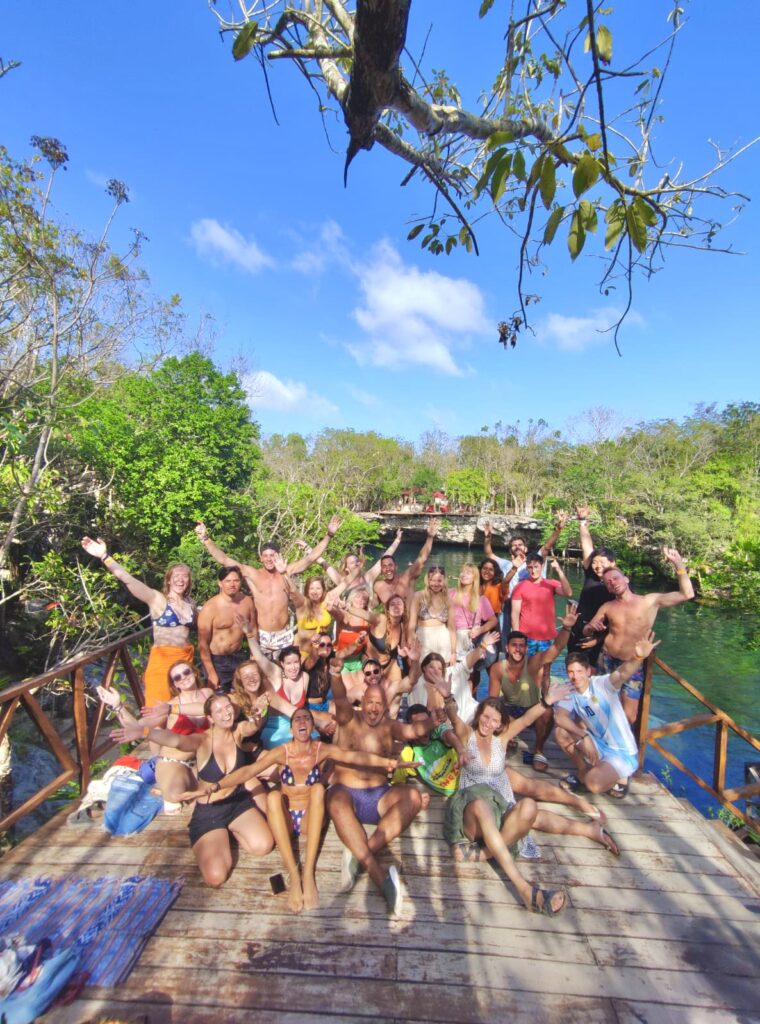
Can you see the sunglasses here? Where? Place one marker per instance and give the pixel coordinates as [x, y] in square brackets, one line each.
[372, 671]
[326, 643]
[181, 675]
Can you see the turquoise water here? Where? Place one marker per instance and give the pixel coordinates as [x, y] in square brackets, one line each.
[706, 645]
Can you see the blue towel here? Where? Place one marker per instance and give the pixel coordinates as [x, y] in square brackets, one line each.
[107, 920]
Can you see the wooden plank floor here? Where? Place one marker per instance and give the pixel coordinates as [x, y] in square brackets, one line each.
[670, 932]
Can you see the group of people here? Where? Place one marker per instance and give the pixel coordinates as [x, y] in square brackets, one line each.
[321, 701]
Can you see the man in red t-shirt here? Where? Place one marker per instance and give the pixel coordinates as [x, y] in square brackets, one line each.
[533, 611]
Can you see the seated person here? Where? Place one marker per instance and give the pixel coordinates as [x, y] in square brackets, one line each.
[592, 727]
[438, 759]
[433, 670]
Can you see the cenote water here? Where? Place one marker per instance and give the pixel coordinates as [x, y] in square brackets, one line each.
[706, 645]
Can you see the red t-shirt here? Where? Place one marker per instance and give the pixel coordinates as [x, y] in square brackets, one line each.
[537, 611]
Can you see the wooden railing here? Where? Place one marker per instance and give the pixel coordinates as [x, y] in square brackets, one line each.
[713, 716]
[77, 759]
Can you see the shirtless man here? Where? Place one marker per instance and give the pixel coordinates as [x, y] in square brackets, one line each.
[629, 619]
[511, 680]
[220, 636]
[360, 796]
[391, 582]
[269, 585]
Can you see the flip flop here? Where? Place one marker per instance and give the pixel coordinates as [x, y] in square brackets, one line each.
[546, 906]
[571, 784]
[540, 764]
[618, 791]
[609, 842]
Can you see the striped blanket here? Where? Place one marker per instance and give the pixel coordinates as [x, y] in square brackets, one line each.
[108, 920]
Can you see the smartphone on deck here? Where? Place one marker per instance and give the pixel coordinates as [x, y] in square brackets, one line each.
[277, 883]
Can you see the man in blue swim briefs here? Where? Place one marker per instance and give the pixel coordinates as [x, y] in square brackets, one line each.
[364, 796]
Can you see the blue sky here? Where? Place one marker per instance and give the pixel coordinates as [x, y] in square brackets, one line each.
[338, 319]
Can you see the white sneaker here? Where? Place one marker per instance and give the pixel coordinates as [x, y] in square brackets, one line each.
[392, 892]
[349, 869]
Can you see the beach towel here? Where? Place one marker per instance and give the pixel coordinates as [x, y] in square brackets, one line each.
[105, 921]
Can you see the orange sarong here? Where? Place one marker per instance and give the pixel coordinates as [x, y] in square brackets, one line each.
[156, 676]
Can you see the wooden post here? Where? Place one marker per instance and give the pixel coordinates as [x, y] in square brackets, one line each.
[642, 723]
[80, 728]
[719, 764]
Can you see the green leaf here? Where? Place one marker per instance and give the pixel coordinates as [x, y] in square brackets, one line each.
[499, 139]
[554, 221]
[587, 40]
[518, 165]
[645, 212]
[244, 40]
[451, 241]
[485, 7]
[414, 232]
[586, 172]
[576, 237]
[499, 179]
[637, 229]
[548, 183]
[604, 44]
[594, 141]
[587, 214]
[615, 218]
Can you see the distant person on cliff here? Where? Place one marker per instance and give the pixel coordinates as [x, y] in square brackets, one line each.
[269, 585]
[392, 582]
[514, 568]
[220, 636]
[592, 727]
[593, 593]
[629, 618]
[172, 615]
[533, 610]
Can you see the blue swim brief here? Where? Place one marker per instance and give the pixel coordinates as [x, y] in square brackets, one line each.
[538, 646]
[633, 687]
[365, 801]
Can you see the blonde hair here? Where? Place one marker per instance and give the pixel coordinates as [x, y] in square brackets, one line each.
[472, 593]
[429, 597]
[241, 695]
[168, 576]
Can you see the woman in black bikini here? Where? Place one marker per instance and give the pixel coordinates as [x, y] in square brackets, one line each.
[218, 752]
[387, 635]
[297, 806]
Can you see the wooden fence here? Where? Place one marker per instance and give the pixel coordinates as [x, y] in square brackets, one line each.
[712, 716]
[75, 758]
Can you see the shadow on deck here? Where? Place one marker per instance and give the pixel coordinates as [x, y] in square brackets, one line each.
[669, 932]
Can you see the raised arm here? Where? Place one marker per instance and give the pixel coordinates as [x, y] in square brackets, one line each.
[488, 539]
[164, 737]
[565, 589]
[414, 612]
[587, 544]
[374, 571]
[642, 649]
[271, 672]
[344, 711]
[560, 640]
[216, 552]
[685, 590]
[148, 595]
[416, 567]
[559, 525]
[302, 564]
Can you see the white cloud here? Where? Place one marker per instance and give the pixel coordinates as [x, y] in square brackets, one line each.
[215, 241]
[331, 248]
[265, 391]
[413, 317]
[577, 333]
[364, 397]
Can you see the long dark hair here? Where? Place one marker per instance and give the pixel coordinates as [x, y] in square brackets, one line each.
[498, 575]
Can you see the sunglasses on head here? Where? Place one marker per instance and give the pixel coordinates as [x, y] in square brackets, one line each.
[436, 568]
[181, 675]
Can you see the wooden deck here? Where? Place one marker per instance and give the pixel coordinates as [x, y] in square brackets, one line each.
[669, 932]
